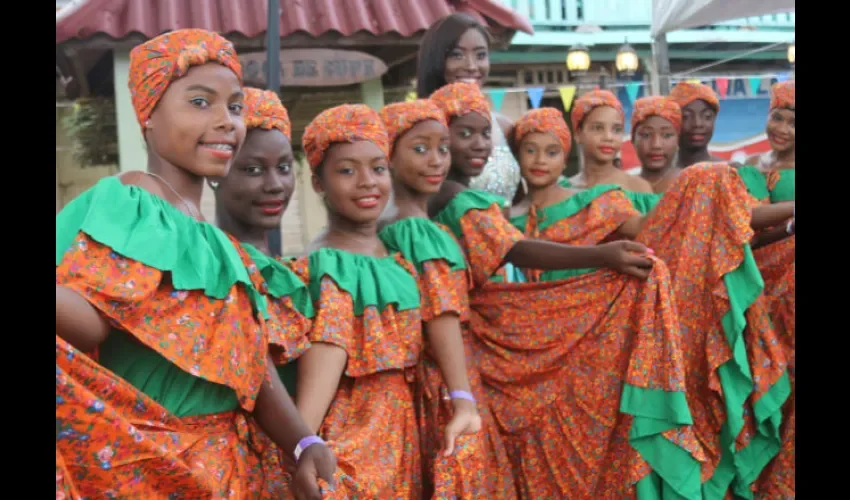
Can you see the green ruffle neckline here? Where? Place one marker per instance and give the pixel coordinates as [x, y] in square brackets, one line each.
[642, 202]
[420, 240]
[146, 228]
[281, 281]
[371, 281]
[470, 199]
[755, 181]
[786, 187]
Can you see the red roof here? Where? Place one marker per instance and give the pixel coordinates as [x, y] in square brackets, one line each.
[119, 18]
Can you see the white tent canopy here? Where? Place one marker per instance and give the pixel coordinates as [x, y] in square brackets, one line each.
[672, 15]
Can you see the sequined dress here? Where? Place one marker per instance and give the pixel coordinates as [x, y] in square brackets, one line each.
[501, 174]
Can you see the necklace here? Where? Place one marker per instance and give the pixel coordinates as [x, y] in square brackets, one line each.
[661, 179]
[192, 211]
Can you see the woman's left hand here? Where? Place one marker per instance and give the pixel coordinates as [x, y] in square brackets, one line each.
[465, 420]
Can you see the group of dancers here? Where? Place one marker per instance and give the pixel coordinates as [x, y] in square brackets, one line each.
[470, 324]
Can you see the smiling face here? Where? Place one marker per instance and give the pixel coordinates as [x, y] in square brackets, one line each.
[198, 125]
[421, 157]
[355, 180]
[471, 143]
[541, 159]
[601, 134]
[469, 60]
[781, 129]
[257, 190]
[656, 143]
[697, 125]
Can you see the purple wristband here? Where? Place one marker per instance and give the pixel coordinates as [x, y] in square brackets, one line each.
[304, 444]
[462, 395]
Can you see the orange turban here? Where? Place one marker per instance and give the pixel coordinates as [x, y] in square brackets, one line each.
[544, 120]
[656, 106]
[161, 60]
[783, 95]
[402, 116]
[264, 110]
[461, 98]
[685, 93]
[592, 100]
[345, 123]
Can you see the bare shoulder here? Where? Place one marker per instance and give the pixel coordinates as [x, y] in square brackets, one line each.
[447, 193]
[142, 180]
[635, 184]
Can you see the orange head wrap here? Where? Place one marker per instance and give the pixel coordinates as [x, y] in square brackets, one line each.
[592, 100]
[345, 123]
[544, 120]
[783, 95]
[402, 116]
[264, 110]
[656, 106]
[461, 98]
[161, 60]
[685, 93]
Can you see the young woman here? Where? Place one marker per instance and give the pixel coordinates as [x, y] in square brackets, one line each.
[152, 288]
[354, 383]
[419, 162]
[555, 357]
[250, 201]
[699, 105]
[598, 119]
[457, 49]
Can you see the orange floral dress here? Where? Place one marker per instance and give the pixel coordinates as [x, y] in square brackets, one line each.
[479, 467]
[777, 263]
[735, 376]
[370, 307]
[584, 376]
[162, 411]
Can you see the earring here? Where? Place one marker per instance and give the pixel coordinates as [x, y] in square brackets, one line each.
[147, 124]
[212, 184]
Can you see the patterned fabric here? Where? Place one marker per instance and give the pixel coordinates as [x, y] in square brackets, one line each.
[400, 117]
[461, 98]
[685, 93]
[544, 120]
[264, 110]
[592, 100]
[783, 95]
[657, 105]
[161, 60]
[345, 123]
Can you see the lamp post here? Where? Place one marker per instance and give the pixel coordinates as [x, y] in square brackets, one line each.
[791, 53]
[578, 59]
[627, 60]
[275, 238]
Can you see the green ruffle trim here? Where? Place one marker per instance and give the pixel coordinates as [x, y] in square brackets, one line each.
[143, 227]
[559, 211]
[463, 202]
[371, 281]
[786, 188]
[420, 240]
[643, 202]
[675, 472]
[281, 281]
[755, 181]
[744, 285]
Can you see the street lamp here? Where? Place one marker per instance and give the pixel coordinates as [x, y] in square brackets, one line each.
[791, 54]
[627, 60]
[578, 59]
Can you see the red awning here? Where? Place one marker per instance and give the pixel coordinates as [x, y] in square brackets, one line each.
[119, 18]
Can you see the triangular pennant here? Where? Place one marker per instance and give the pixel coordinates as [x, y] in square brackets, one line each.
[497, 96]
[535, 95]
[722, 87]
[411, 96]
[755, 84]
[694, 80]
[782, 77]
[632, 89]
[567, 95]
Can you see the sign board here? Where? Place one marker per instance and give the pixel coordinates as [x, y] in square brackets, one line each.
[314, 67]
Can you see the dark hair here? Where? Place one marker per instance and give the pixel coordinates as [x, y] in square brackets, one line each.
[436, 44]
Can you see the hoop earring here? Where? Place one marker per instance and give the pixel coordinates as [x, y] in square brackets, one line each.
[212, 184]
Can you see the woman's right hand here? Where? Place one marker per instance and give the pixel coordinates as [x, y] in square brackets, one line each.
[317, 461]
[627, 257]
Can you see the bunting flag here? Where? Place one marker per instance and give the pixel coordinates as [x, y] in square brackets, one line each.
[632, 89]
[755, 84]
[722, 87]
[567, 95]
[694, 80]
[535, 95]
[497, 96]
[782, 77]
[411, 96]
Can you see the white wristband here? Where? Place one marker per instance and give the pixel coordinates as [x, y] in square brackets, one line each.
[788, 227]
